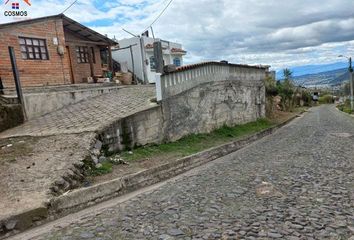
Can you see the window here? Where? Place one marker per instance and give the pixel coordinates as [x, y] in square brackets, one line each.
[177, 62]
[33, 48]
[82, 54]
[152, 63]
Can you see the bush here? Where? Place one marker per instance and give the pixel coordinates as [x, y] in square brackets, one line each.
[326, 99]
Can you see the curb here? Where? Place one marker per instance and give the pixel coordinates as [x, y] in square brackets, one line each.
[347, 114]
[81, 198]
[84, 197]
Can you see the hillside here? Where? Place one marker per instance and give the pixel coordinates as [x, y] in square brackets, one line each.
[323, 79]
[313, 69]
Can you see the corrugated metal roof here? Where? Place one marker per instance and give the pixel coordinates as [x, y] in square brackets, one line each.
[70, 24]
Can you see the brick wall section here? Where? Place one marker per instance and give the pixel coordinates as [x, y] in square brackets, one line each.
[56, 70]
[34, 72]
[82, 70]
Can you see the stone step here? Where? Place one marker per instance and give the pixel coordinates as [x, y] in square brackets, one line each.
[5, 99]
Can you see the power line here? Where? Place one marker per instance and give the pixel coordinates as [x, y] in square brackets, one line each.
[69, 6]
[169, 3]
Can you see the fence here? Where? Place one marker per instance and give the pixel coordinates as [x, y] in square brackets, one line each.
[188, 77]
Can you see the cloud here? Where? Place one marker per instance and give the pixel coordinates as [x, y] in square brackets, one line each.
[274, 32]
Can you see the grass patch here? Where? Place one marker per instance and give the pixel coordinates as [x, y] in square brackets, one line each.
[197, 142]
[91, 169]
[345, 107]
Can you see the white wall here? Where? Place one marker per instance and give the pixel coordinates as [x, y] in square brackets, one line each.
[123, 56]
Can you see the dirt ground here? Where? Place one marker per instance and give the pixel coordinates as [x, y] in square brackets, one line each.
[29, 165]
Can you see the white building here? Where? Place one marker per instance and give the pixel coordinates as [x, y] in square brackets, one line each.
[143, 56]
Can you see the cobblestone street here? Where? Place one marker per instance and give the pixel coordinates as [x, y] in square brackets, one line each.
[295, 184]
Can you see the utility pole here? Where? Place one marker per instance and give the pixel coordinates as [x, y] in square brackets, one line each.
[351, 85]
[350, 70]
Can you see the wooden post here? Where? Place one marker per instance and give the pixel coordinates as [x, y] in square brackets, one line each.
[91, 62]
[110, 61]
[17, 81]
[1, 87]
[72, 77]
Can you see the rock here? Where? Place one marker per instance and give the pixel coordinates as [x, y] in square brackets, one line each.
[175, 232]
[297, 226]
[102, 159]
[60, 182]
[274, 235]
[11, 224]
[96, 152]
[99, 165]
[86, 235]
[98, 145]
[165, 237]
[94, 159]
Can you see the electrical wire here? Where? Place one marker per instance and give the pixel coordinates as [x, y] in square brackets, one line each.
[69, 7]
[169, 3]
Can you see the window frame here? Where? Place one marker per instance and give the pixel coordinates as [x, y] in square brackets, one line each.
[42, 43]
[82, 56]
[152, 63]
[179, 60]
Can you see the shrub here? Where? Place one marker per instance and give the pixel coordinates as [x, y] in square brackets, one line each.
[326, 99]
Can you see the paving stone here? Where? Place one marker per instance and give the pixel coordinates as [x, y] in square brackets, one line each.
[86, 116]
[303, 162]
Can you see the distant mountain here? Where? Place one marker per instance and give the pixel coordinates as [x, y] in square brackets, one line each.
[323, 79]
[312, 69]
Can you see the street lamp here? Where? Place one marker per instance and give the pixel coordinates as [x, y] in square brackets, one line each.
[350, 69]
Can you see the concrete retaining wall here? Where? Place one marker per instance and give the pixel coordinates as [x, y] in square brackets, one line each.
[198, 110]
[40, 103]
[140, 129]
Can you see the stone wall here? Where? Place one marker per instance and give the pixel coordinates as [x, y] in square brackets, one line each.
[10, 116]
[140, 129]
[198, 110]
[211, 105]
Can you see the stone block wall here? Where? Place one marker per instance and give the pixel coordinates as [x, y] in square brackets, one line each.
[11, 115]
[211, 105]
[200, 109]
[140, 129]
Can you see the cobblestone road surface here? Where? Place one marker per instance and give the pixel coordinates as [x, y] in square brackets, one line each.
[295, 184]
[88, 115]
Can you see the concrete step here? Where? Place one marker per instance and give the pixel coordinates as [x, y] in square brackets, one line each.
[6, 99]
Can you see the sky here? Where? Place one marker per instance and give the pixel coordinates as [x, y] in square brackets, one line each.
[272, 32]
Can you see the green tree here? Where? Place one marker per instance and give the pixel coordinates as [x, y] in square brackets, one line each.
[287, 74]
[286, 90]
